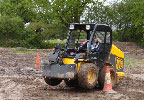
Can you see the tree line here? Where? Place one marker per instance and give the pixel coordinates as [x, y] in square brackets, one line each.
[30, 23]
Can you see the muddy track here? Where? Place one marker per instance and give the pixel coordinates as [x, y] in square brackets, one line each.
[19, 80]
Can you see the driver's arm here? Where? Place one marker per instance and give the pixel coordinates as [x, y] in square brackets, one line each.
[83, 46]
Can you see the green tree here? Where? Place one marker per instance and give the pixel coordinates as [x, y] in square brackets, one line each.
[23, 8]
[63, 11]
[99, 13]
[11, 29]
[129, 20]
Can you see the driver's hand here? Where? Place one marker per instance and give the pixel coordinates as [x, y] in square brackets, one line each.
[76, 48]
[72, 53]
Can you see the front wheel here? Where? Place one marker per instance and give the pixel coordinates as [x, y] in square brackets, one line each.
[87, 75]
[52, 81]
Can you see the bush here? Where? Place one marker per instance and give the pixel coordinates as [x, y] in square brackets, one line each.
[11, 28]
[37, 34]
[115, 36]
[11, 31]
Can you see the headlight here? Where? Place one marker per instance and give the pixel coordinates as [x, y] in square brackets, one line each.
[71, 27]
[88, 27]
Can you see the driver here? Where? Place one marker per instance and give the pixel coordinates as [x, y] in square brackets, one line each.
[95, 45]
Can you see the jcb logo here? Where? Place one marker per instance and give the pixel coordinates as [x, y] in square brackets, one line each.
[119, 63]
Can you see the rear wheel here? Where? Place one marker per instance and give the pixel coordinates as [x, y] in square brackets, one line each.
[52, 81]
[87, 76]
[101, 78]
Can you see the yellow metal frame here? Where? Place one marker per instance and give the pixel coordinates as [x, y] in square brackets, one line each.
[116, 51]
[120, 74]
[72, 61]
[119, 56]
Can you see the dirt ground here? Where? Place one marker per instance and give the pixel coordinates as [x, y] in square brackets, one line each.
[19, 80]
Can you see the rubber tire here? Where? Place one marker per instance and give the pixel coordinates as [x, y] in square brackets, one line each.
[101, 78]
[83, 76]
[71, 83]
[52, 81]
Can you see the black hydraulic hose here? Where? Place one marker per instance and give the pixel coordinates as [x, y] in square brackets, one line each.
[65, 49]
[67, 42]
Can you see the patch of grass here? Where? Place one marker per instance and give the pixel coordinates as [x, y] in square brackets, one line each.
[132, 61]
[30, 52]
[22, 51]
[53, 43]
[45, 53]
[56, 41]
[128, 62]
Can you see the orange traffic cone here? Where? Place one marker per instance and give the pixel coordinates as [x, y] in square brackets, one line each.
[108, 83]
[37, 61]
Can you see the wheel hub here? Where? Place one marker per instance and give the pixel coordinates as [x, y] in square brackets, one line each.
[91, 75]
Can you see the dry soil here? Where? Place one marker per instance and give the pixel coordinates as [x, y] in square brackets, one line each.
[19, 80]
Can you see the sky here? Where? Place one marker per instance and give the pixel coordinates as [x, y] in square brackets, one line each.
[110, 1]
